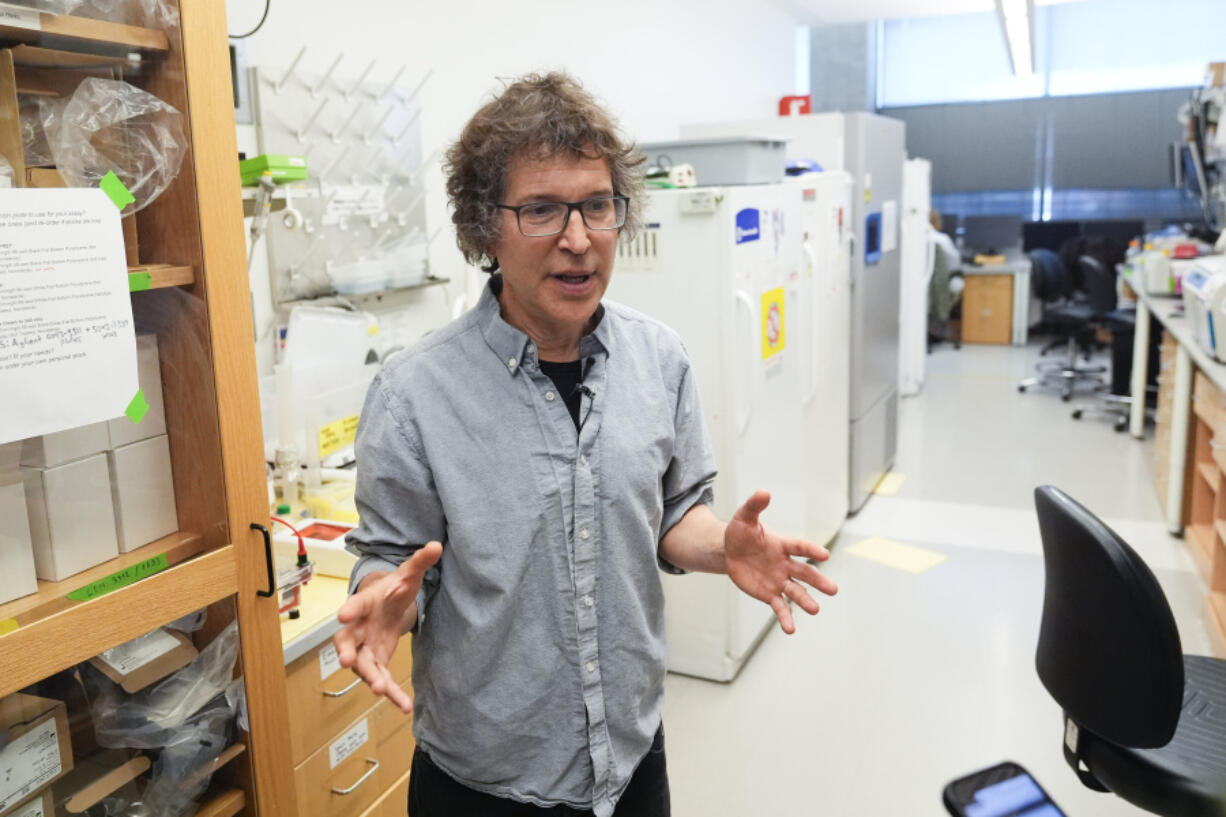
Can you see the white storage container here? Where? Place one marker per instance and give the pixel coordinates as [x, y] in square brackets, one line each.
[121, 430]
[60, 447]
[752, 159]
[16, 552]
[143, 490]
[72, 520]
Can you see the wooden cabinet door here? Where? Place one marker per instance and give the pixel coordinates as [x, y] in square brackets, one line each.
[987, 309]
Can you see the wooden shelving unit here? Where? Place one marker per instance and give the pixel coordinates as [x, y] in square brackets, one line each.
[190, 289]
[1206, 531]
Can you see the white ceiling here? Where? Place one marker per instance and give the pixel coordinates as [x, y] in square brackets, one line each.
[829, 12]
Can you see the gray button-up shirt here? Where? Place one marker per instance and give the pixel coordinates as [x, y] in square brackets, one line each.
[539, 655]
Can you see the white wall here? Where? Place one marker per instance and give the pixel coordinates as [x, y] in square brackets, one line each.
[656, 65]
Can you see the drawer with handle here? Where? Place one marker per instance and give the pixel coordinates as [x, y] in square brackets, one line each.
[323, 697]
[351, 772]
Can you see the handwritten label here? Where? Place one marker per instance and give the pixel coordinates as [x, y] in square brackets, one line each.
[29, 761]
[348, 743]
[335, 436]
[329, 662]
[123, 578]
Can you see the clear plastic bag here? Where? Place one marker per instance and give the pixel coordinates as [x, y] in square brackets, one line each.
[109, 125]
[6, 173]
[34, 147]
[190, 623]
[49, 6]
[148, 13]
[151, 718]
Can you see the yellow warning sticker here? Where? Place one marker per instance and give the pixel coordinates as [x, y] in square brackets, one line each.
[8, 625]
[335, 436]
[774, 323]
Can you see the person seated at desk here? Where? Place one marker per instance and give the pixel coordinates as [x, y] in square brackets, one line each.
[946, 285]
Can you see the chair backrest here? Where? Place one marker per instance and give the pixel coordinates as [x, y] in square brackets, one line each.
[1109, 651]
[1099, 284]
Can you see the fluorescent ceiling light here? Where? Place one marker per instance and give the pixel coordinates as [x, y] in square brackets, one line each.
[1017, 24]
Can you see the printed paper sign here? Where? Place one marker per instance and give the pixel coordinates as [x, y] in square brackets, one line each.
[131, 656]
[67, 342]
[28, 762]
[34, 808]
[19, 17]
[774, 323]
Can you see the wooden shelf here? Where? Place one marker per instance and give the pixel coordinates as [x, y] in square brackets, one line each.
[81, 32]
[1215, 615]
[1220, 526]
[1209, 473]
[1200, 540]
[80, 629]
[158, 276]
[225, 803]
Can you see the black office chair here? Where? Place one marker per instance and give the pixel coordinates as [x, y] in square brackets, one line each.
[1075, 323]
[1142, 720]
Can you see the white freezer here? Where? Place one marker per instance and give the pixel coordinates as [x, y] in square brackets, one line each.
[917, 257]
[722, 267]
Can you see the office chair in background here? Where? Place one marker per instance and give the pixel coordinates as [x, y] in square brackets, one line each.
[1141, 720]
[1074, 324]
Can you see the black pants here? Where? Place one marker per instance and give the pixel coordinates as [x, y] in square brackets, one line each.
[434, 793]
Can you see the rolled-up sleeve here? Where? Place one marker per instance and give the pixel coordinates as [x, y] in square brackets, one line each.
[398, 506]
[690, 475]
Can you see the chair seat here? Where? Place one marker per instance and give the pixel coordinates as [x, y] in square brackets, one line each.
[1069, 314]
[1188, 775]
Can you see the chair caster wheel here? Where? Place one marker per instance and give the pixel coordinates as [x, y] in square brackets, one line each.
[1076, 414]
[1066, 397]
[1121, 426]
[1021, 389]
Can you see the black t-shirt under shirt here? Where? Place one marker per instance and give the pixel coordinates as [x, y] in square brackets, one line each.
[566, 378]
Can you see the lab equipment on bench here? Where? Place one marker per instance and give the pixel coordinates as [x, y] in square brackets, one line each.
[871, 149]
[723, 267]
[1204, 299]
[725, 159]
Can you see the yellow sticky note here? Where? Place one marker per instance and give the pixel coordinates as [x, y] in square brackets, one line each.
[8, 625]
[896, 554]
[890, 484]
[337, 435]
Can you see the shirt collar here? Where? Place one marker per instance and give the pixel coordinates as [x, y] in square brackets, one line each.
[514, 347]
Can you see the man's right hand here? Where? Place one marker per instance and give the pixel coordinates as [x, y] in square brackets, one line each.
[374, 618]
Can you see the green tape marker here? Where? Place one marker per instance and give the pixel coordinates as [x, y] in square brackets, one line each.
[123, 578]
[114, 189]
[138, 408]
[139, 281]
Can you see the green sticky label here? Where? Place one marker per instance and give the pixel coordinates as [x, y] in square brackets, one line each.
[114, 189]
[123, 578]
[138, 408]
[139, 281]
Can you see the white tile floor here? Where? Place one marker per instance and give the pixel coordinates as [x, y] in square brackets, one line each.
[904, 682]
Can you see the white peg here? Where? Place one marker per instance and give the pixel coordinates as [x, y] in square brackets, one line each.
[289, 72]
[378, 124]
[319, 86]
[336, 134]
[302, 132]
[357, 86]
[405, 130]
[413, 94]
[392, 82]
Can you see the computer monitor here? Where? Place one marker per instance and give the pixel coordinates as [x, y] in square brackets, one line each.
[1048, 235]
[991, 233]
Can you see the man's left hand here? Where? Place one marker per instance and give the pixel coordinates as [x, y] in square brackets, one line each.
[771, 567]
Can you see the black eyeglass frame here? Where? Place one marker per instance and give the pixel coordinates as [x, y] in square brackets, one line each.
[571, 206]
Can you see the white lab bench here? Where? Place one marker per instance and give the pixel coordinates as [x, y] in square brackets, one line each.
[1168, 310]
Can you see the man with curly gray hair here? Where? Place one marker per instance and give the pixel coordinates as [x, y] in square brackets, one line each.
[523, 476]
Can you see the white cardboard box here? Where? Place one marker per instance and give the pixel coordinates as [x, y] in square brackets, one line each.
[17, 577]
[72, 521]
[143, 488]
[10, 458]
[148, 371]
[60, 447]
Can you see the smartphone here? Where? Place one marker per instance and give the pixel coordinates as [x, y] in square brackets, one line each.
[1003, 790]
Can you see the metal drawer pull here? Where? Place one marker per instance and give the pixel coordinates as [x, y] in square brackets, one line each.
[374, 768]
[357, 682]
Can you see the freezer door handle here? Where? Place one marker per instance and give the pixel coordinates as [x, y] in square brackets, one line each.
[814, 294]
[743, 299]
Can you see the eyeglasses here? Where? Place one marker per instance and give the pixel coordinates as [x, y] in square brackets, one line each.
[539, 219]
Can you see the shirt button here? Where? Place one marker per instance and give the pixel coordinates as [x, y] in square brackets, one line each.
[587, 601]
[583, 534]
[512, 362]
[548, 395]
[591, 666]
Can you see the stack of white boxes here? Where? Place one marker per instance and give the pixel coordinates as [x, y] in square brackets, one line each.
[103, 489]
[16, 554]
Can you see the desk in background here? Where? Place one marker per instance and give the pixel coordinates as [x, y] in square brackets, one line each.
[988, 299]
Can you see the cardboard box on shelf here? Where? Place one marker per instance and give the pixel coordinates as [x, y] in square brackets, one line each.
[72, 519]
[122, 430]
[151, 657]
[50, 177]
[60, 447]
[1215, 75]
[17, 577]
[38, 750]
[40, 805]
[142, 488]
